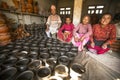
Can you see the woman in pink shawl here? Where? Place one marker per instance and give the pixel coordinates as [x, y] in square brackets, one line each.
[82, 33]
[65, 33]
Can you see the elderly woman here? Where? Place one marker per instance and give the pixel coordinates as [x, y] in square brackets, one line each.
[82, 33]
[53, 23]
[104, 34]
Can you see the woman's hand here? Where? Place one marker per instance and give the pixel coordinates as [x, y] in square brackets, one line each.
[104, 46]
[92, 44]
[76, 39]
[64, 36]
[82, 38]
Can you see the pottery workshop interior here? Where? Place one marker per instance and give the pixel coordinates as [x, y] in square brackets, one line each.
[59, 39]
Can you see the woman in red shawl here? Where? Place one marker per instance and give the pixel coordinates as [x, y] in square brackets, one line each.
[104, 34]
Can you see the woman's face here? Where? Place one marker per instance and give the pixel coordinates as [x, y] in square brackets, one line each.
[106, 19]
[53, 11]
[86, 20]
[68, 20]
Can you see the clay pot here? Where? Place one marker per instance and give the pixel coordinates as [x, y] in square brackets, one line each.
[26, 48]
[33, 55]
[2, 58]
[21, 54]
[30, 1]
[21, 68]
[23, 8]
[2, 16]
[42, 49]
[9, 46]
[18, 47]
[2, 21]
[34, 45]
[42, 45]
[21, 65]
[71, 55]
[34, 48]
[48, 44]
[34, 65]
[63, 60]
[49, 40]
[62, 53]
[3, 43]
[15, 51]
[51, 63]
[9, 62]
[26, 75]
[4, 5]
[67, 46]
[61, 71]
[4, 28]
[55, 78]
[29, 8]
[58, 45]
[4, 36]
[63, 49]
[74, 49]
[43, 73]
[8, 73]
[16, 3]
[44, 55]
[53, 48]
[54, 54]
[23, 61]
[76, 70]
[22, 1]
[54, 42]
[36, 9]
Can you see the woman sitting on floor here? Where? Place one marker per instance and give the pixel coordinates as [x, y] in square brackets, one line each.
[65, 33]
[104, 34]
[82, 33]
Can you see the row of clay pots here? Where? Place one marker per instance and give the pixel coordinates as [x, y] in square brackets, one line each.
[29, 8]
[26, 7]
[36, 54]
[43, 73]
[5, 36]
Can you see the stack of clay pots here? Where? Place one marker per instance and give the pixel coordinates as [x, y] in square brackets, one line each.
[29, 6]
[4, 31]
[23, 6]
[4, 5]
[16, 3]
[36, 9]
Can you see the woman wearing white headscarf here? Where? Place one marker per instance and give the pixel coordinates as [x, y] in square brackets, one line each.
[53, 23]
